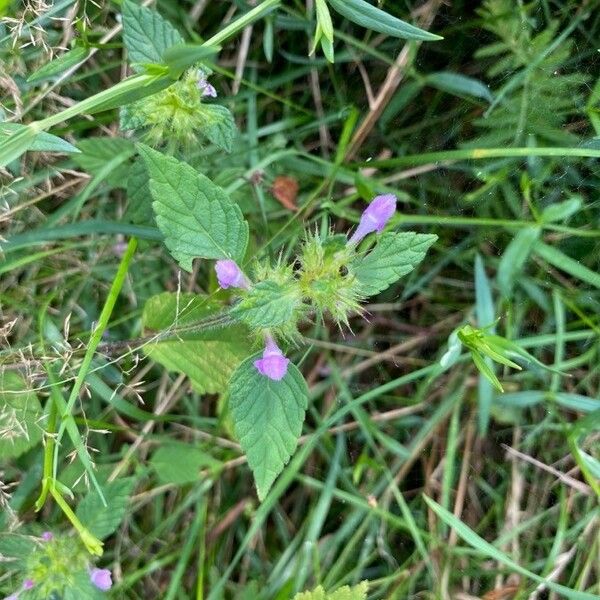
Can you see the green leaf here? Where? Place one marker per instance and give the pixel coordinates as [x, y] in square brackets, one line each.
[102, 520]
[20, 412]
[218, 125]
[197, 218]
[477, 542]
[139, 199]
[357, 592]
[96, 152]
[146, 34]
[561, 261]
[208, 356]
[59, 65]
[562, 210]
[371, 17]
[394, 255]
[181, 463]
[13, 146]
[267, 304]
[42, 142]
[484, 308]
[516, 254]
[461, 85]
[324, 19]
[267, 417]
[180, 57]
[80, 587]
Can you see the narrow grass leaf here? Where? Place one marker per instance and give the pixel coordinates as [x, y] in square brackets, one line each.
[370, 17]
[477, 542]
[565, 263]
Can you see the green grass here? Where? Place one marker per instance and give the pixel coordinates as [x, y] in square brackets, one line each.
[421, 479]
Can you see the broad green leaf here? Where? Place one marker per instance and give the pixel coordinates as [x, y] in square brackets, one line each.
[60, 64]
[267, 417]
[394, 255]
[565, 263]
[218, 125]
[357, 592]
[42, 142]
[197, 218]
[16, 547]
[516, 254]
[267, 304]
[102, 520]
[477, 542]
[562, 210]
[139, 199]
[369, 16]
[207, 356]
[146, 34]
[20, 412]
[96, 152]
[181, 463]
[80, 587]
[458, 84]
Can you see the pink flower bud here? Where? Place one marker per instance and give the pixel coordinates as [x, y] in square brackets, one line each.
[375, 217]
[101, 578]
[47, 536]
[230, 275]
[206, 88]
[273, 364]
[28, 584]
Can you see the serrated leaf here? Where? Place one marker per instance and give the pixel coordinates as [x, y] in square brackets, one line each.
[197, 218]
[20, 411]
[181, 463]
[218, 125]
[455, 83]
[97, 151]
[80, 587]
[139, 198]
[369, 16]
[102, 520]
[146, 34]
[357, 592]
[209, 356]
[16, 547]
[267, 304]
[514, 257]
[267, 417]
[41, 142]
[394, 255]
[60, 64]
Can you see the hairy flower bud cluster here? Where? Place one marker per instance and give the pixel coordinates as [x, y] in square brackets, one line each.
[324, 280]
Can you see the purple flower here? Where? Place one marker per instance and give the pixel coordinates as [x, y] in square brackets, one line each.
[28, 584]
[206, 88]
[273, 364]
[230, 275]
[47, 536]
[375, 217]
[101, 578]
